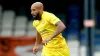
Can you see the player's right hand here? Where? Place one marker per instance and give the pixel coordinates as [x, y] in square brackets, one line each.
[35, 49]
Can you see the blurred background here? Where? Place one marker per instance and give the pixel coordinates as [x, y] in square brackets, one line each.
[17, 35]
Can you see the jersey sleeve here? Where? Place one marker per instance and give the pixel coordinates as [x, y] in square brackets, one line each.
[53, 19]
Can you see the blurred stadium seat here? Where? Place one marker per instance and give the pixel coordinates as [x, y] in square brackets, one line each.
[8, 19]
[97, 53]
[7, 22]
[19, 32]
[0, 17]
[97, 42]
[31, 31]
[83, 50]
[73, 43]
[74, 47]
[20, 22]
[20, 25]
[6, 32]
[0, 12]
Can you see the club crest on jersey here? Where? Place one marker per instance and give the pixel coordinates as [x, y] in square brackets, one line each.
[43, 22]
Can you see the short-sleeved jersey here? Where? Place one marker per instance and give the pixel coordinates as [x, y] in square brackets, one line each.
[46, 27]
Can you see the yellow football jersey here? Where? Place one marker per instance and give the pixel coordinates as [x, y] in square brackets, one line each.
[46, 27]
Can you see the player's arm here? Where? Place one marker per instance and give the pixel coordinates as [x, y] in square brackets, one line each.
[38, 39]
[60, 28]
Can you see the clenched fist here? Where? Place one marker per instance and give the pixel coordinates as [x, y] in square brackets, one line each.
[35, 49]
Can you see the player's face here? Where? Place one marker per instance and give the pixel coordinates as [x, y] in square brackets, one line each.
[35, 13]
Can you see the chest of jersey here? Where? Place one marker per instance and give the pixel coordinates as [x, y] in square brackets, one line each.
[45, 28]
[42, 26]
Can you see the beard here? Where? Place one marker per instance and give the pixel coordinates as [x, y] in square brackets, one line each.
[36, 17]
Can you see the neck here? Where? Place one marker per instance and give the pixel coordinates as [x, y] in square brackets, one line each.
[40, 15]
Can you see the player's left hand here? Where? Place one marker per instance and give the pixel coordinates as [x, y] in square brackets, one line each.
[46, 41]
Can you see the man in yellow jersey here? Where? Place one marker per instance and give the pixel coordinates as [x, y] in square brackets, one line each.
[49, 28]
